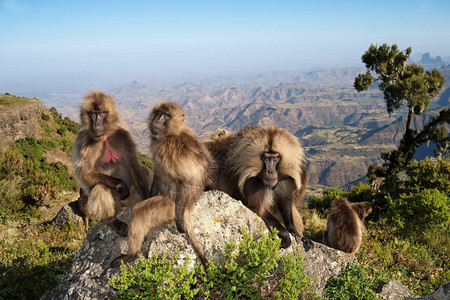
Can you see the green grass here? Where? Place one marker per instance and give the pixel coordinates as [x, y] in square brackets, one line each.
[34, 257]
[356, 282]
[420, 262]
[8, 101]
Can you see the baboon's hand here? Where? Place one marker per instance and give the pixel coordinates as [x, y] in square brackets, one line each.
[180, 225]
[123, 190]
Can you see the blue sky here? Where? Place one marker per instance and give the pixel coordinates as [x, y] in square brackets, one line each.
[146, 38]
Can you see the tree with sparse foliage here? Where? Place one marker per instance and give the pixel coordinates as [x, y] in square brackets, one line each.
[401, 82]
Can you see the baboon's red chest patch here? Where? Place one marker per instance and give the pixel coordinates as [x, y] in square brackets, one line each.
[110, 154]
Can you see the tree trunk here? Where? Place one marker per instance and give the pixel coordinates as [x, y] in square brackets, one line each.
[409, 122]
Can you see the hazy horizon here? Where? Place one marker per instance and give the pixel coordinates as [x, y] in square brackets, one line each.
[102, 42]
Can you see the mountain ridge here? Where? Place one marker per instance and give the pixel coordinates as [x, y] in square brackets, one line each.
[321, 108]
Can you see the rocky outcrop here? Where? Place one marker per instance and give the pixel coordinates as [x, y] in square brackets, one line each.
[217, 218]
[16, 121]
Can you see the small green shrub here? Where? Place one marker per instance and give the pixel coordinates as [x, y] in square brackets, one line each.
[429, 174]
[247, 266]
[323, 203]
[45, 117]
[245, 274]
[156, 278]
[356, 282]
[359, 193]
[293, 280]
[71, 125]
[65, 124]
[417, 212]
[62, 130]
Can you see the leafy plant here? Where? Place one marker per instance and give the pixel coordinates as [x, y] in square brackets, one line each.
[428, 174]
[247, 269]
[293, 281]
[45, 117]
[356, 282]
[323, 202]
[157, 278]
[65, 124]
[417, 212]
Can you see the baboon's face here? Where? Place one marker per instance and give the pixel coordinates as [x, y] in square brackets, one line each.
[98, 119]
[368, 209]
[160, 121]
[165, 119]
[269, 174]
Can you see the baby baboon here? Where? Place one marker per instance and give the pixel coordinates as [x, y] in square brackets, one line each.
[181, 173]
[264, 167]
[106, 162]
[345, 225]
[83, 207]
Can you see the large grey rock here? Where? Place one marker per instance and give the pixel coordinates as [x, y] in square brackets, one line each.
[217, 218]
[394, 290]
[69, 213]
[321, 262]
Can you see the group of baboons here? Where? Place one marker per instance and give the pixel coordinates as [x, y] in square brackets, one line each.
[264, 167]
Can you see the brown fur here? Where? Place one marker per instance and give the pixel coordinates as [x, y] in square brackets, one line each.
[108, 185]
[218, 145]
[345, 225]
[83, 207]
[181, 173]
[241, 158]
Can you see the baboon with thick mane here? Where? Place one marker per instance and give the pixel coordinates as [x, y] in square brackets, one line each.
[182, 167]
[106, 162]
[264, 167]
[345, 225]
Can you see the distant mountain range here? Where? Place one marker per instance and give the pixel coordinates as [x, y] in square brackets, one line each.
[342, 131]
[429, 62]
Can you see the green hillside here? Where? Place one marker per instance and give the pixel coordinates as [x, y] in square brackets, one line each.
[7, 101]
[35, 181]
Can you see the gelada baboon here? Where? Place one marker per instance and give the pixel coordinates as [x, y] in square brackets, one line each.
[345, 225]
[264, 167]
[218, 140]
[217, 145]
[181, 173]
[83, 207]
[106, 162]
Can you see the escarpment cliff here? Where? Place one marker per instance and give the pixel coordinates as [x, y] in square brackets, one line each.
[19, 117]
